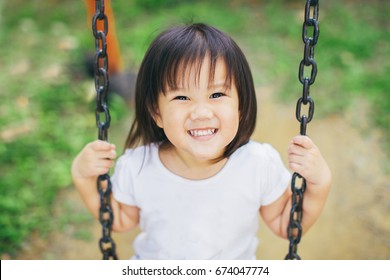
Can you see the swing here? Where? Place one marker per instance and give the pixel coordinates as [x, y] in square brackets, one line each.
[102, 113]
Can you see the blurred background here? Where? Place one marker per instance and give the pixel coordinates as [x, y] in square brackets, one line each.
[47, 114]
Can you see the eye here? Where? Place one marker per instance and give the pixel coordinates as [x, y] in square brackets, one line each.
[181, 97]
[217, 95]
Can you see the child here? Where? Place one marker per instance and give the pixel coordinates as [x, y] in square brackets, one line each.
[190, 176]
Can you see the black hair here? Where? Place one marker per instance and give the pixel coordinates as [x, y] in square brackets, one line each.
[173, 51]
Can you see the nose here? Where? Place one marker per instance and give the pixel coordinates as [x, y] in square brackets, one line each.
[201, 111]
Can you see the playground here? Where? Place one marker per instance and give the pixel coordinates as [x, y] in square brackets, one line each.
[47, 115]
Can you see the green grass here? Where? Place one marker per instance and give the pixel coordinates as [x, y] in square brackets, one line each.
[43, 87]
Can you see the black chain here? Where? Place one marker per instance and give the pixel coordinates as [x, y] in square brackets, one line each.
[106, 217]
[294, 231]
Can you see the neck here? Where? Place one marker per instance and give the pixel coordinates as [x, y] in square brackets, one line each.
[189, 168]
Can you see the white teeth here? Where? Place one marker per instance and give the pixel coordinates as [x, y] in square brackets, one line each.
[204, 132]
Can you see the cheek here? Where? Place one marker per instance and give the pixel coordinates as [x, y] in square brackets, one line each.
[172, 120]
[235, 113]
[237, 121]
[231, 118]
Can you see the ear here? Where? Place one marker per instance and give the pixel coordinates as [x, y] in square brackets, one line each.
[157, 117]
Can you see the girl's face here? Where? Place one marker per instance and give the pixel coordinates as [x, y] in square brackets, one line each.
[201, 117]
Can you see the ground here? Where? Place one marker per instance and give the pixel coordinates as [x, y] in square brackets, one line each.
[354, 224]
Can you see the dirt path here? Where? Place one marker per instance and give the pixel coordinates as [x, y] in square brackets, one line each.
[354, 224]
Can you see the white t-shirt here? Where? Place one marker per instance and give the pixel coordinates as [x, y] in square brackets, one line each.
[215, 218]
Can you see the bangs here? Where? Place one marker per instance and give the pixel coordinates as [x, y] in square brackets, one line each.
[186, 53]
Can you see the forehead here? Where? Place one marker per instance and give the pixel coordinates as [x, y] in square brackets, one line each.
[199, 72]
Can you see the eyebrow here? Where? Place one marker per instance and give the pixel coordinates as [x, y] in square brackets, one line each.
[211, 86]
[219, 85]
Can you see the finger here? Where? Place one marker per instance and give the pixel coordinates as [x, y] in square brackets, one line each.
[103, 165]
[299, 168]
[303, 141]
[299, 159]
[106, 163]
[294, 167]
[294, 149]
[110, 154]
[99, 145]
[101, 171]
[295, 162]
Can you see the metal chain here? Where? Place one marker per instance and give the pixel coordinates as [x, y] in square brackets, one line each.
[294, 231]
[106, 217]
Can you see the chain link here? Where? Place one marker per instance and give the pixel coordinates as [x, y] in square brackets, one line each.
[103, 119]
[294, 230]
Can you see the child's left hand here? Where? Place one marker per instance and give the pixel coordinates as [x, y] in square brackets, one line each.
[305, 158]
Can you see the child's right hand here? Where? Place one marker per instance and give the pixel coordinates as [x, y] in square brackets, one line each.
[95, 159]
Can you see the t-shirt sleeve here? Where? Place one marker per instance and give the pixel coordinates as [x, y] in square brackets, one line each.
[122, 181]
[277, 177]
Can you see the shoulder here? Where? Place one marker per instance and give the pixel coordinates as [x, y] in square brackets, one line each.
[139, 151]
[257, 150]
[136, 157]
[256, 156]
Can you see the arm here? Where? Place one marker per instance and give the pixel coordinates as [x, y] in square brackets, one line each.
[95, 159]
[305, 158]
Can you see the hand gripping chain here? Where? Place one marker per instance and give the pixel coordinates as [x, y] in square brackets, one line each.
[294, 230]
[106, 217]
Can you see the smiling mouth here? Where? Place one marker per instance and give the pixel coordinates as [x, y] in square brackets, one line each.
[202, 132]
